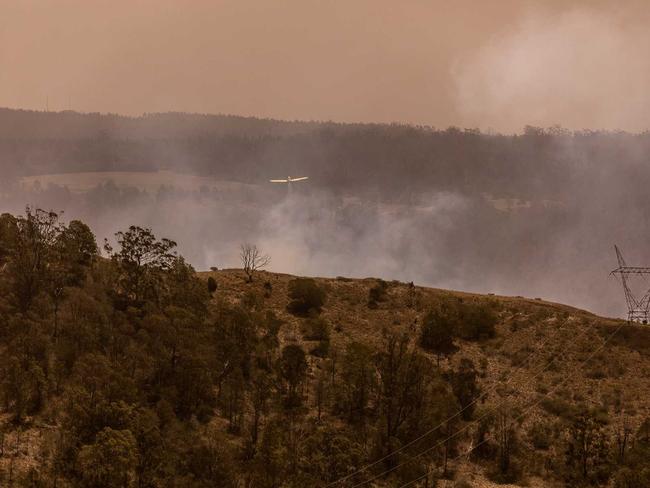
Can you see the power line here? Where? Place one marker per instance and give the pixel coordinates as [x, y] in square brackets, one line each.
[528, 409]
[455, 434]
[430, 431]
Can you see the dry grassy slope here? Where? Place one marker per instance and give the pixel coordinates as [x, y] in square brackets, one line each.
[539, 351]
[530, 334]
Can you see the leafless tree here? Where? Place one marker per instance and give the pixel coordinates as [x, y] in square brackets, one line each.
[252, 260]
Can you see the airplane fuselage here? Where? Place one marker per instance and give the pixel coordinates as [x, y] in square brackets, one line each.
[290, 179]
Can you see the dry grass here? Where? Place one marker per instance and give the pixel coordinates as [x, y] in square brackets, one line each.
[535, 359]
[535, 362]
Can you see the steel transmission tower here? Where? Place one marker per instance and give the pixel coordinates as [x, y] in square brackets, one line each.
[638, 309]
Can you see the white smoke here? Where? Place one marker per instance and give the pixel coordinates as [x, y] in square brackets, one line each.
[583, 68]
[323, 235]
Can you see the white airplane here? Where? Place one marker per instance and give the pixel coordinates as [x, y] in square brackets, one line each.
[290, 179]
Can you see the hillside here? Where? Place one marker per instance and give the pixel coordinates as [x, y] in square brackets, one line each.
[545, 362]
[136, 371]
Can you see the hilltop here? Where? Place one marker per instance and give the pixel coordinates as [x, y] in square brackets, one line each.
[545, 355]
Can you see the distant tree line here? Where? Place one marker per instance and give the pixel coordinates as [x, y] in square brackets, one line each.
[395, 162]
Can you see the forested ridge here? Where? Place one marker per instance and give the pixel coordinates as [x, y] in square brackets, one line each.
[127, 368]
[398, 161]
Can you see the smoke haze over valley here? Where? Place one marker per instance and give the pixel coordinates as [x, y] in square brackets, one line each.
[535, 214]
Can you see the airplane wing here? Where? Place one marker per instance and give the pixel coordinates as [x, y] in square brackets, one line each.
[278, 181]
[300, 179]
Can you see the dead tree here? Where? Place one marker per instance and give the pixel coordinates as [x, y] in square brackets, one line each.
[252, 260]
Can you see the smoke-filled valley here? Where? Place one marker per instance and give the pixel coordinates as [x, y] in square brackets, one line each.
[534, 214]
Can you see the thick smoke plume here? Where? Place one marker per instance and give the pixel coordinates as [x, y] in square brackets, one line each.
[586, 67]
[443, 239]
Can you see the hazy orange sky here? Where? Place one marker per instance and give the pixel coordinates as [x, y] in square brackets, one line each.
[488, 64]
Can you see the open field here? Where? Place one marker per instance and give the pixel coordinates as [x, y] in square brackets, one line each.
[143, 180]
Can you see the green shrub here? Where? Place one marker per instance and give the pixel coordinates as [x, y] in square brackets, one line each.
[596, 372]
[322, 349]
[519, 357]
[558, 407]
[377, 293]
[268, 289]
[316, 329]
[540, 435]
[306, 297]
[437, 333]
[465, 387]
[627, 478]
[212, 285]
[477, 321]
[252, 300]
[509, 477]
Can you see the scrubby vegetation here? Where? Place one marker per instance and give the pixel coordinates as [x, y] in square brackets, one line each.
[306, 297]
[133, 370]
[377, 294]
